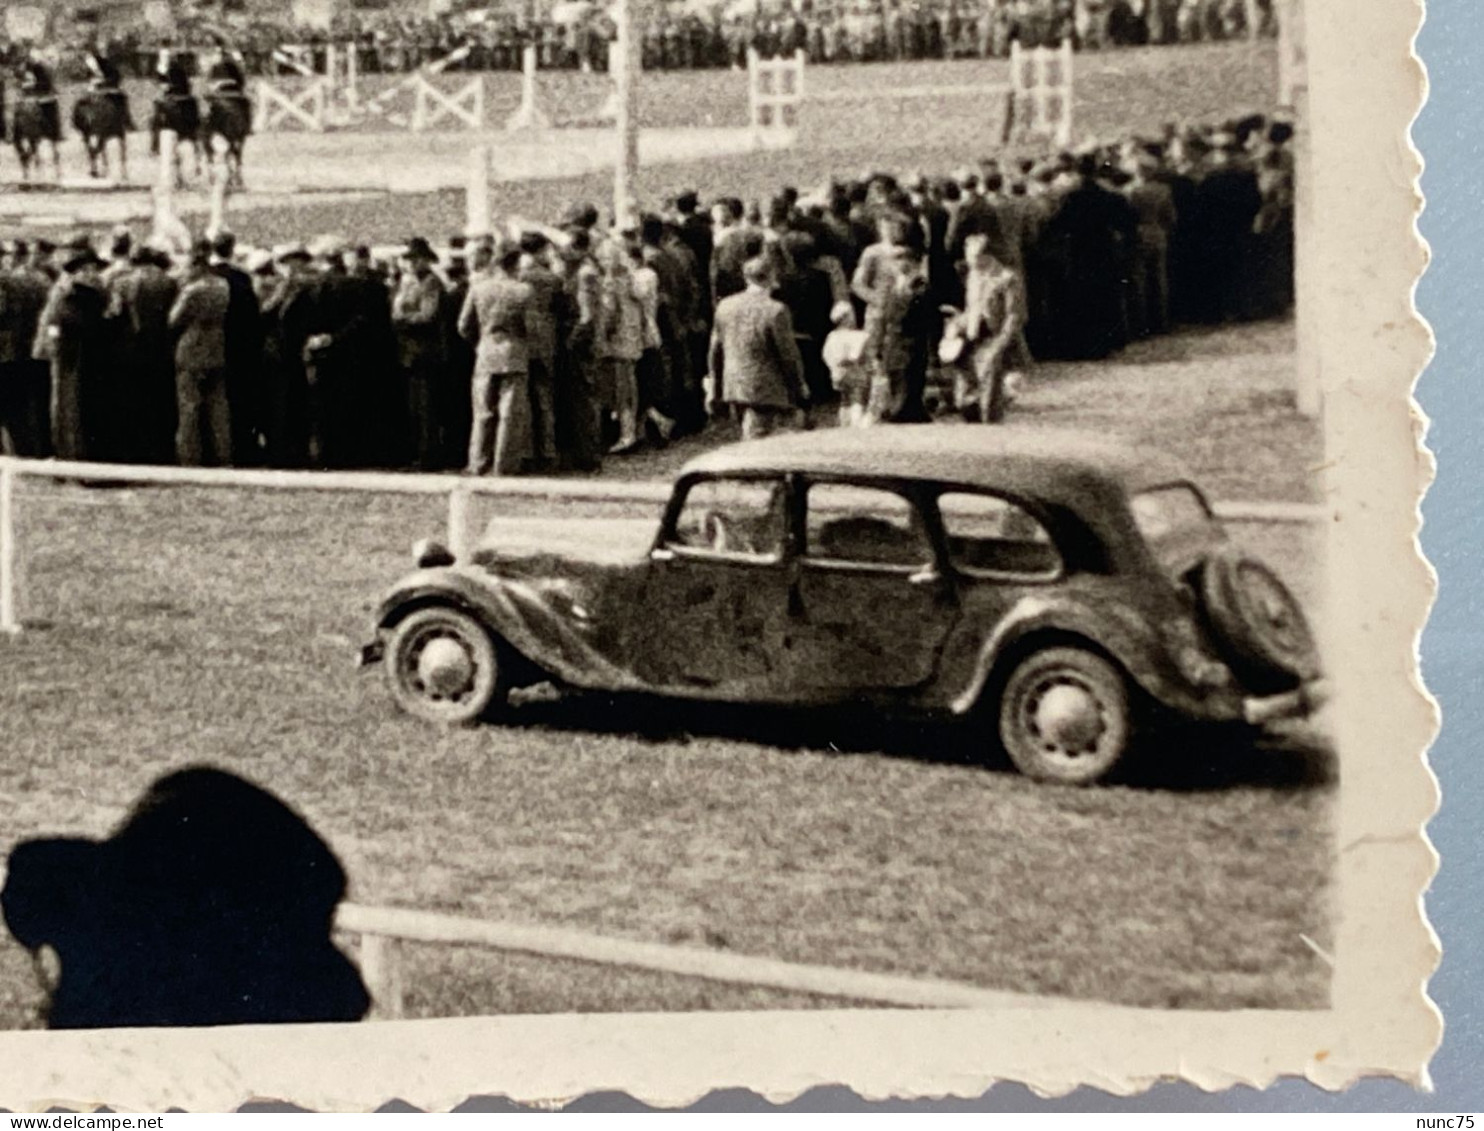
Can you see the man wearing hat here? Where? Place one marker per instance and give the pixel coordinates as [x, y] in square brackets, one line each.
[548, 294]
[244, 351]
[141, 303]
[458, 356]
[500, 317]
[70, 335]
[416, 308]
[287, 309]
[203, 434]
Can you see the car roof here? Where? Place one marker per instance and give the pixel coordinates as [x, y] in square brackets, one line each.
[1055, 466]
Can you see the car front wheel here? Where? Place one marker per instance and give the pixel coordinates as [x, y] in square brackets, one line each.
[442, 666]
[1064, 716]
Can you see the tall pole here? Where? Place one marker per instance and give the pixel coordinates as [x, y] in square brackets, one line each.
[626, 82]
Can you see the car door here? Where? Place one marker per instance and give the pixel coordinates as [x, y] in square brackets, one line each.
[869, 604]
[712, 612]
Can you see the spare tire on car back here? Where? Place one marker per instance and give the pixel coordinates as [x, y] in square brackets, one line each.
[1257, 622]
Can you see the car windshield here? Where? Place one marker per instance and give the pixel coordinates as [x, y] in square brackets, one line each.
[1163, 511]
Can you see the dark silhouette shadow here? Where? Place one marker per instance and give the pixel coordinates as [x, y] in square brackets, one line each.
[210, 905]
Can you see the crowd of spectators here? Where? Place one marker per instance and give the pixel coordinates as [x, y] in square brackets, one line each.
[552, 348]
[679, 35]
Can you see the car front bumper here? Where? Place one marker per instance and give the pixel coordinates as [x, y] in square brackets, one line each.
[1259, 710]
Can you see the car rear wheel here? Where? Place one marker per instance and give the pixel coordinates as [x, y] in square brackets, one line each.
[1258, 624]
[1065, 716]
[442, 666]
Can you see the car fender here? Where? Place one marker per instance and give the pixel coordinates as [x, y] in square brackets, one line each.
[521, 616]
[1125, 635]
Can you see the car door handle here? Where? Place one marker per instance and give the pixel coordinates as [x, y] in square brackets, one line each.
[661, 554]
[926, 578]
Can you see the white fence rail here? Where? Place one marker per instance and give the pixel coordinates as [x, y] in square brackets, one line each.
[458, 489]
[383, 930]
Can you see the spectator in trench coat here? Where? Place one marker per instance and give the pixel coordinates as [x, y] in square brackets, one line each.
[499, 318]
[203, 430]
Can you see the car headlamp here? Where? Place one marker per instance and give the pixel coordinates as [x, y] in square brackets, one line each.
[429, 553]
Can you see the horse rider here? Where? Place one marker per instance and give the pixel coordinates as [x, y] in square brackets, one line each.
[104, 79]
[39, 87]
[175, 104]
[224, 76]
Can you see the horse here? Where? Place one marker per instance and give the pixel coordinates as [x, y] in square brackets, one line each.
[36, 121]
[101, 116]
[228, 117]
[180, 113]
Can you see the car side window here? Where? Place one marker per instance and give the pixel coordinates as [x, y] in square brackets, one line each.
[991, 535]
[864, 526]
[735, 517]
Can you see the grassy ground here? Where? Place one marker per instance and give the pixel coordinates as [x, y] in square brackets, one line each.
[171, 626]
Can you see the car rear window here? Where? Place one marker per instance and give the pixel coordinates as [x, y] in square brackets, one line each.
[988, 534]
[1163, 511]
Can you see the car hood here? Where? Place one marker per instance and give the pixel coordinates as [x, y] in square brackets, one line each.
[535, 547]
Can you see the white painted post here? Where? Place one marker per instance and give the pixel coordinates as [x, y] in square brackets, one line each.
[10, 623]
[528, 115]
[217, 223]
[1068, 87]
[352, 77]
[381, 970]
[458, 521]
[167, 226]
[626, 120]
[477, 192]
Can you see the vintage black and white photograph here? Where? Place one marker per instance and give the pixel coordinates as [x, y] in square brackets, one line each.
[748, 508]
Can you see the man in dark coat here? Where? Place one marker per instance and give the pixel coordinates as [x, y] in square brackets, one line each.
[244, 352]
[1088, 241]
[71, 335]
[25, 382]
[338, 332]
[287, 315]
[141, 313]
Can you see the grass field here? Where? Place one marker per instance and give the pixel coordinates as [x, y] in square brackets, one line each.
[169, 626]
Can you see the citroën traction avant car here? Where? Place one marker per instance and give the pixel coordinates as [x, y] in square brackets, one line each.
[1054, 589]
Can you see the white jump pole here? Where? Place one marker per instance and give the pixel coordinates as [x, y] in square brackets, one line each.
[164, 222]
[528, 115]
[217, 223]
[10, 623]
[626, 119]
[477, 193]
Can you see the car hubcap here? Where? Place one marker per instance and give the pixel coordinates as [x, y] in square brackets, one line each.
[441, 666]
[1067, 719]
